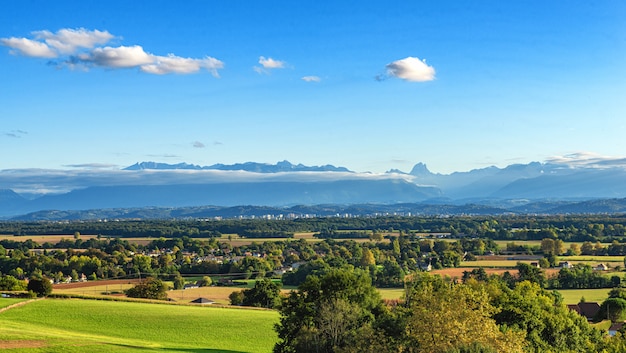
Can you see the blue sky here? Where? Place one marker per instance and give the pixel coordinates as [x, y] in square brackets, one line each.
[369, 85]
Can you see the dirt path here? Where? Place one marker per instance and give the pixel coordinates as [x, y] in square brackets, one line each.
[19, 304]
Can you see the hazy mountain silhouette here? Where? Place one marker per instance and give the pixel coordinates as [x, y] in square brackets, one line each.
[528, 188]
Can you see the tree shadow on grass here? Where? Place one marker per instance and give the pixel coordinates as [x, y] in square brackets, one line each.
[188, 350]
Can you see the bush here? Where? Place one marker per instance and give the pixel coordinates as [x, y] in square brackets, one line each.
[40, 286]
[236, 297]
[205, 281]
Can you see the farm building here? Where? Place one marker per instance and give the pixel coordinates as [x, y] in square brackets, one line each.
[586, 309]
[203, 301]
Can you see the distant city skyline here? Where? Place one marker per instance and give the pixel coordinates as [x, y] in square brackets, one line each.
[370, 86]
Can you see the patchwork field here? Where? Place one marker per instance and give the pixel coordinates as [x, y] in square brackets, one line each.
[71, 325]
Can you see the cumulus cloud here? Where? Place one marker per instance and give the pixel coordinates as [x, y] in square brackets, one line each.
[50, 45]
[410, 69]
[80, 48]
[588, 160]
[120, 57]
[68, 40]
[311, 79]
[28, 47]
[198, 144]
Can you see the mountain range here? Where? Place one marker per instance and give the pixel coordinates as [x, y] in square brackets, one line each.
[520, 188]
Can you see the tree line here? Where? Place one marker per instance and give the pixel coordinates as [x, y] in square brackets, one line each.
[604, 228]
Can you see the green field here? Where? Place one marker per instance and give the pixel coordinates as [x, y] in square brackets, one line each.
[72, 325]
[391, 293]
[572, 296]
[589, 258]
[4, 302]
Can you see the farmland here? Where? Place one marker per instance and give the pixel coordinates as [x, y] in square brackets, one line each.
[103, 326]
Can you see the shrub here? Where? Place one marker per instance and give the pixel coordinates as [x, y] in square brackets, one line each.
[40, 286]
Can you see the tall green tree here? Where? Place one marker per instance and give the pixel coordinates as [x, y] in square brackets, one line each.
[265, 294]
[325, 313]
[150, 288]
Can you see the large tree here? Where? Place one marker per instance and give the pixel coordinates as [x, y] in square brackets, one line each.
[446, 316]
[150, 288]
[326, 313]
[265, 294]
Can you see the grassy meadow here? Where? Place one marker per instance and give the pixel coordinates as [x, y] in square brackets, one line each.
[573, 296]
[4, 302]
[72, 325]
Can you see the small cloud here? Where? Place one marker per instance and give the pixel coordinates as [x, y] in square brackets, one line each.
[217, 143]
[92, 166]
[198, 144]
[15, 133]
[28, 47]
[178, 65]
[409, 69]
[311, 79]
[268, 64]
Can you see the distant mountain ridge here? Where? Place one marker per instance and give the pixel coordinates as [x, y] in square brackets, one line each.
[519, 188]
[284, 166]
[531, 181]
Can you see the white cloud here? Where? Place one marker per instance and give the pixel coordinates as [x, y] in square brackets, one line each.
[198, 144]
[68, 40]
[28, 47]
[311, 79]
[588, 160]
[79, 48]
[269, 63]
[176, 64]
[119, 57]
[56, 181]
[411, 69]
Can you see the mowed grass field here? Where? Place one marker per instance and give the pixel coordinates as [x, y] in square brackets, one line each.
[73, 325]
[573, 296]
[4, 302]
